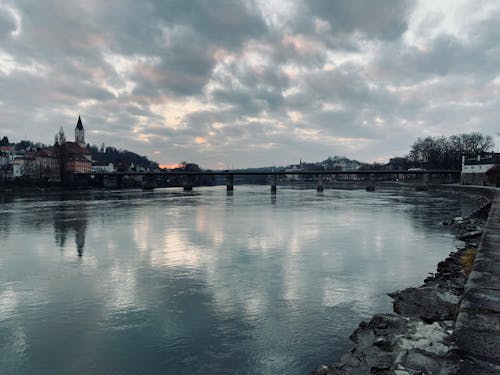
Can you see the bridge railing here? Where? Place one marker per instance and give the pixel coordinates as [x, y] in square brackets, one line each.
[188, 178]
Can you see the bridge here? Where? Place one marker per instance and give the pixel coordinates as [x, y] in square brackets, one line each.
[148, 178]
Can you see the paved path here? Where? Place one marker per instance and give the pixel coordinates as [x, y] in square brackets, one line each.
[478, 324]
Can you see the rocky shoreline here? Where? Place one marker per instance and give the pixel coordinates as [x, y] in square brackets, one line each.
[418, 338]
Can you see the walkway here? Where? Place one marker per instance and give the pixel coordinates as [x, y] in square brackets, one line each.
[478, 323]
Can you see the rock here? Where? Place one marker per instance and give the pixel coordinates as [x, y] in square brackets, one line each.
[427, 303]
[421, 361]
[378, 360]
[473, 233]
[363, 336]
[432, 338]
[322, 370]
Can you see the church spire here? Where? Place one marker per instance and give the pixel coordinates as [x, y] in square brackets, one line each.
[80, 133]
[79, 125]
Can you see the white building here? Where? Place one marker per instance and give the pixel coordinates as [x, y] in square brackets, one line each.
[17, 168]
[294, 168]
[99, 167]
[4, 159]
[474, 169]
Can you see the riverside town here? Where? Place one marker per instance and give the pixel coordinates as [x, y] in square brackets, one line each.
[250, 187]
[34, 164]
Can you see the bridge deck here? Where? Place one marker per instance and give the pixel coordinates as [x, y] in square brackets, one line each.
[277, 173]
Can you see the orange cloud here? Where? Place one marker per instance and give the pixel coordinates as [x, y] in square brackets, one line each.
[171, 166]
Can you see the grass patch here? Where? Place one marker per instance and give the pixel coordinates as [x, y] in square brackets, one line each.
[467, 260]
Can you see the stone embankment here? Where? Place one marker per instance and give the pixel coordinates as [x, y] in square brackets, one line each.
[448, 325]
[478, 323]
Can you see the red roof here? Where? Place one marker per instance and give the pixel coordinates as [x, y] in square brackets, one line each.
[75, 148]
[47, 152]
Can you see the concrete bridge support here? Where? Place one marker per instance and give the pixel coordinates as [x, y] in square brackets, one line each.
[229, 182]
[423, 184]
[148, 182]
[370, 182]
[188, 183]
[99, 181]
[274, 182]
[113, 182]
[319, 185]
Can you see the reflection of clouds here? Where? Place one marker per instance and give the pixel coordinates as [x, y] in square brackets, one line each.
[254, 303]
[334, 294]
[122, 287]
[16, 336]
[18, 340]
[141, 232]
[378, 243]
[177, 251]
[8, 303]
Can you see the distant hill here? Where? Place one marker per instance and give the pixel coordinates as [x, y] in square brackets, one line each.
[120, 157]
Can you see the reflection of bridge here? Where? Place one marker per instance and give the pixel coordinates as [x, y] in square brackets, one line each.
[148, 178]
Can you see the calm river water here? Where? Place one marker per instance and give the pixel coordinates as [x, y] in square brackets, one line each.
[167, 282]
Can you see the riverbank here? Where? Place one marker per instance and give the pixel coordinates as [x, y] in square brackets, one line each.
[419, 337]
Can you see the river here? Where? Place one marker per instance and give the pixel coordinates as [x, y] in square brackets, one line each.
[168, 282]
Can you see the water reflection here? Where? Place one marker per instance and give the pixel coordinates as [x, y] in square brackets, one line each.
[273, 198]
[70, 218]
[207, 281]
[5, 215]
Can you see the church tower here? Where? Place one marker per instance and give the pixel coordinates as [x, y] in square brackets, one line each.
[80, 133]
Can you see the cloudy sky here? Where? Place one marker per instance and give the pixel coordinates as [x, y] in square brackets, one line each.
[253, 82]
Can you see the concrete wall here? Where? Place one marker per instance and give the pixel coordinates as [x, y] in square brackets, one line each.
[478, 323]
[474, 179]
[477, 168]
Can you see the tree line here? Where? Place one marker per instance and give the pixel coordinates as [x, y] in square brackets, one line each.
[113, 155]
[446, 152]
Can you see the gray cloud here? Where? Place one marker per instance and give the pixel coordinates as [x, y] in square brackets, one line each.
[7, 23]
[229, 82]
[385, 19]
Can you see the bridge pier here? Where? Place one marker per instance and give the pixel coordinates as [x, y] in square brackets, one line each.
[319, 185]
[424, 182]
[100, 181]
[274, 181]
[148, 182]
[111, 182]
[370, 182]
[188, 183]
[119, 181]
[229, 182]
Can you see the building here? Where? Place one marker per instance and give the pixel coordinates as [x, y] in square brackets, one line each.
[17, 169]
[294, 168]
[474, 170]
[48, 164]
[31, 170]
[4, 159]
[77, 159]
[103, 167]
[76, 156]
[7, 148]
